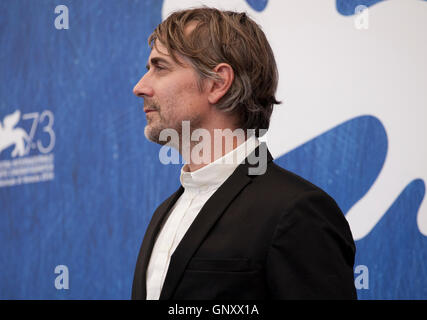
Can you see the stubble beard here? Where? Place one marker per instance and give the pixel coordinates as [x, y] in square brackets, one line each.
[152, 131]
[154, 128]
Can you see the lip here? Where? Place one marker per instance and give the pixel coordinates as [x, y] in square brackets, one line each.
[148, 110]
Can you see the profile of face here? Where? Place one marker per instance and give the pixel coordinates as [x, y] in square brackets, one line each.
[171, 94]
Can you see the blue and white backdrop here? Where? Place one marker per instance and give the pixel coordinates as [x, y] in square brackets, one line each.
[79, 182]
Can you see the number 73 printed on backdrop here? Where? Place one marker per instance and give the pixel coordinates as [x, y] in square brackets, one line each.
[17, 167]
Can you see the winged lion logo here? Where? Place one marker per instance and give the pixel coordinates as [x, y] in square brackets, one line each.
[9, 135]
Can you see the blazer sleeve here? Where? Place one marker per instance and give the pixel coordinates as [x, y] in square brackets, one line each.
[312, 252]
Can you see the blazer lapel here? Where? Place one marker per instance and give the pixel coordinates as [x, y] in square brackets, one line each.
[205, 220]
[139, 281]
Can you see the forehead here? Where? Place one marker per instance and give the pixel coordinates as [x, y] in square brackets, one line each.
[161, 52]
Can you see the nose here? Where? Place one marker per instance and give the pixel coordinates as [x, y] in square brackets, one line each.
[142, 89]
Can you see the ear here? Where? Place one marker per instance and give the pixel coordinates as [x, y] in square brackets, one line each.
[219, 88]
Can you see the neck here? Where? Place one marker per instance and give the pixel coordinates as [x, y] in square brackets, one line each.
[208, 145]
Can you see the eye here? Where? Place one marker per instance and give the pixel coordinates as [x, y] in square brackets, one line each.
[159, 67]
[155, 68]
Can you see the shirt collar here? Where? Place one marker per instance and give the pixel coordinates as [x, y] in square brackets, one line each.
[215, 173]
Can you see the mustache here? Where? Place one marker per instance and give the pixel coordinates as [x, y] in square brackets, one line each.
[151, 105]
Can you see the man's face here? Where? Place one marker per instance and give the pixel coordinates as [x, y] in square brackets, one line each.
[171, 95]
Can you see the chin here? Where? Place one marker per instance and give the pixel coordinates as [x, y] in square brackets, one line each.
[153, 134]
[150, 134]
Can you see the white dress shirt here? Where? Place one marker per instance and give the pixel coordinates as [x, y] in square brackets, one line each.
[199, 186]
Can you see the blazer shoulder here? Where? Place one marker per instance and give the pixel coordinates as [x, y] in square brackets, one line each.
[287, 183]
[300, 193]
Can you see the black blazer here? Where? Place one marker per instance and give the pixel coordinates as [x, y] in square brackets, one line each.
[270, 236]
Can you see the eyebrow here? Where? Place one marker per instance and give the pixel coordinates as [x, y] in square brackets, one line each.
[156, 61]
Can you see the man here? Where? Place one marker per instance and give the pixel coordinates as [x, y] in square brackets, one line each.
[239, 227]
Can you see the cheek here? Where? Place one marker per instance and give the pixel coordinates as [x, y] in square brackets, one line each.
[191, 95]
[179, 99]
[179, 96]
